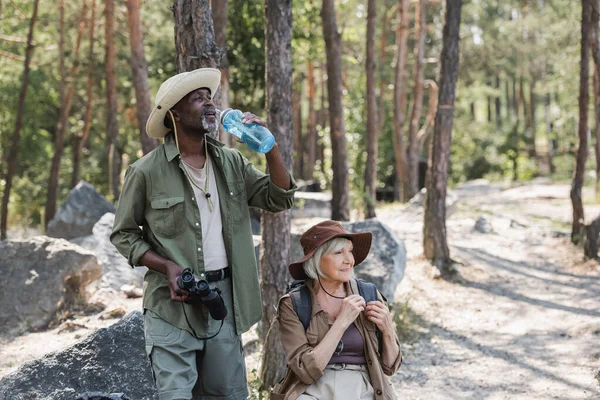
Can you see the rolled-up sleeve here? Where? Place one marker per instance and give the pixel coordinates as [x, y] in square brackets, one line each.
[127, 236]
[263, 193]
[300, 354]
[390, 370]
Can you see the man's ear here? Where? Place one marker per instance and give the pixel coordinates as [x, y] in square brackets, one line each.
[174, 114]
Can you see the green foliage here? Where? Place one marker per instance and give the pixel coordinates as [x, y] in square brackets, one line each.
[254, 386]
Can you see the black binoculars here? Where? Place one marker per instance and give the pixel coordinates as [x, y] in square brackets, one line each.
[201, 293]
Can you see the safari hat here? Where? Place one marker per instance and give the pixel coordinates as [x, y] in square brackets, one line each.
[323, 232]
[174, 89]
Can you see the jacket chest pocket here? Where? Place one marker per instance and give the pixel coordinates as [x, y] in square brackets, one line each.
[237, 200]
[167, 216]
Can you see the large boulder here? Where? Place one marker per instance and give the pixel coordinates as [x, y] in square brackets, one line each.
[386, 262]
[311, 205]
[79, 213]
[110, 360]
[39, 276]
[116, 271]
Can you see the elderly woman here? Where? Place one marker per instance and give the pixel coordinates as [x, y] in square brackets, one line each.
[339, 355]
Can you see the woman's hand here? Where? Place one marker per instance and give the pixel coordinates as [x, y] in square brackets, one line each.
[352, 306]
[380, 315]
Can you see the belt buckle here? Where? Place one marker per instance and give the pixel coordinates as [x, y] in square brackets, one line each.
[338, 366]
[221, 274]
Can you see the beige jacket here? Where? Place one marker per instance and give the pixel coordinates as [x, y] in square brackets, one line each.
[299, 347]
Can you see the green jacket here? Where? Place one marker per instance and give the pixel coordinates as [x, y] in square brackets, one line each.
[157, 211]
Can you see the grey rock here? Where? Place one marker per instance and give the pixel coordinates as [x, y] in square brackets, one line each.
[110, 360]
[116, 271]
[102, 396]
[386, 262]
[40, 276]
[79, 213]
[311, 205]
[482, 225]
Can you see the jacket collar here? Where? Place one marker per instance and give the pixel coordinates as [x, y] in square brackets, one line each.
[171, 147]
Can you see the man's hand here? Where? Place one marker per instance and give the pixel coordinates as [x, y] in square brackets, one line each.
[173, 272]
[249, 118]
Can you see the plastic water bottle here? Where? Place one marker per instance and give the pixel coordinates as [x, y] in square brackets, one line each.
[256, 136]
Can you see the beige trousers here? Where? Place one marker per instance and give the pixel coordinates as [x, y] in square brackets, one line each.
[341, 382]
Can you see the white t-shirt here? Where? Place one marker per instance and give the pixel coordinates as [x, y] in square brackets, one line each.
[213, 246]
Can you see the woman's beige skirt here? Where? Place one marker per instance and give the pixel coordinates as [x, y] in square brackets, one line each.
[341, 382]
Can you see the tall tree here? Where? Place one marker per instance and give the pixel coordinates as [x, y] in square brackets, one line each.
[80, 138]
[66, 96]
[276, 238]
[400, 101]
[417, 101]
[139, 70]
[112, 129]
[339, 159]
[220, 13]
[195, 38]
[584, 100]
[13, 151]
[297, 124]
[595, 50]
[435, 244]
[372, 123]
[311, 124]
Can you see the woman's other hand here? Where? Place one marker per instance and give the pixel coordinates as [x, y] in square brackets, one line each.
[380, 315]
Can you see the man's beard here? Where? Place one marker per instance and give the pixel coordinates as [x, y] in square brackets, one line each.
[211, 128]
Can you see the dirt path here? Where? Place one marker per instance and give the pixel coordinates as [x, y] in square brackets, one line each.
[523, 323]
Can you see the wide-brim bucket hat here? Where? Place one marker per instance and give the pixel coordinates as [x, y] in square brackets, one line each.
[323, 232]
[174, 89]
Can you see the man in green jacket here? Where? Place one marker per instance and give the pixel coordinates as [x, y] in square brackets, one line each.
[185, 205]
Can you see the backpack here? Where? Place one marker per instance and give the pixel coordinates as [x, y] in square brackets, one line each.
[302, 302]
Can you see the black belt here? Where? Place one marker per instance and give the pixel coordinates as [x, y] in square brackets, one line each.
[213, 276]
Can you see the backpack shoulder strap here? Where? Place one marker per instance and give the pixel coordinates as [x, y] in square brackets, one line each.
[302, 304]
[368, 291]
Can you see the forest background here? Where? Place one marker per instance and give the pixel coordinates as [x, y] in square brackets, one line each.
[360, 119]
[518, 78]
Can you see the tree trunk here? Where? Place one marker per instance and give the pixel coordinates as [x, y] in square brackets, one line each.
[415, 115]
[385, 21]
[497, 102]
[472, 110]
[532, 105]
[13, 151]
[139, 70]
[507, 94]
[582, 151]
[489, 102]
[595, 50]
[220, 13]
[195, 39]
[516, 134]
[423, 133]
[340, 186]
[372, 122]
[276, 227]
[112, 129]
[401, 164]
[435, 244]
[514, 96]
[297, 124]
[66, 96]
[80, 139]
[311, 126]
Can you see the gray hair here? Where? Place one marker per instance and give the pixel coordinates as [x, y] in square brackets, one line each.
[312, 266]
